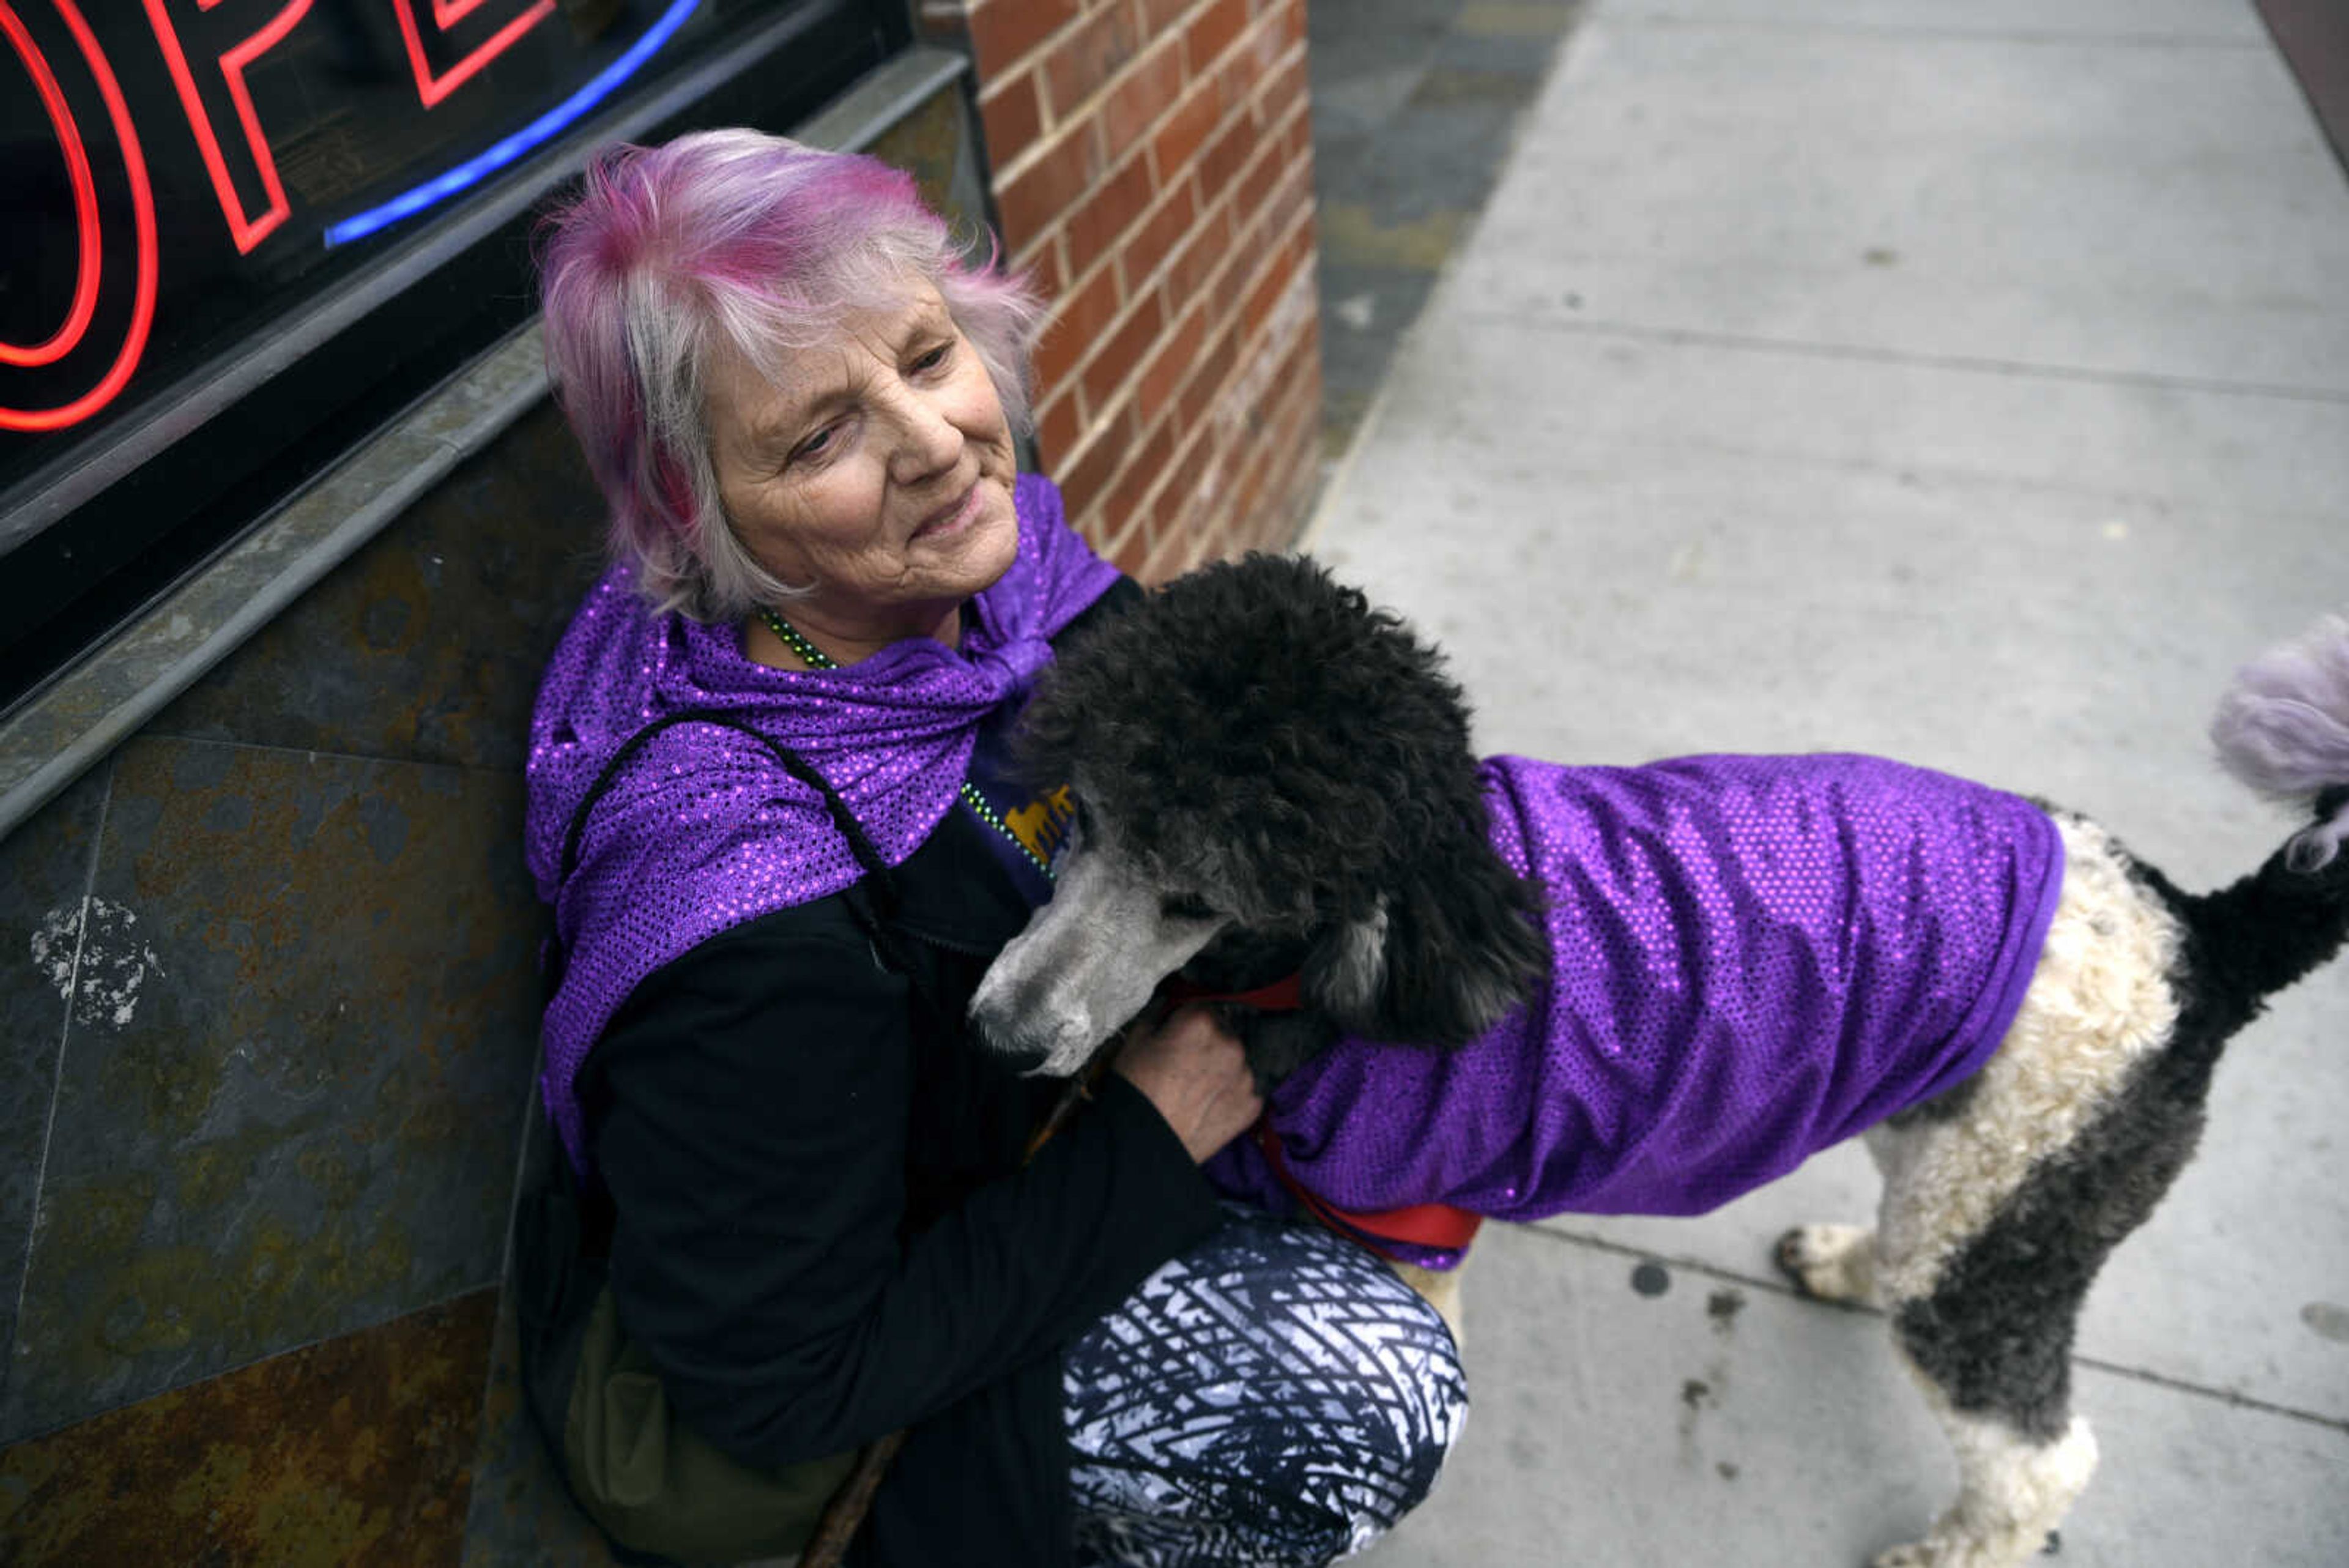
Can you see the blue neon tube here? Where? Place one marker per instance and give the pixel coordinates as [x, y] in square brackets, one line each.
[499, 153]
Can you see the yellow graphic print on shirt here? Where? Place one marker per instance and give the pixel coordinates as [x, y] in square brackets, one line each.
[1042, 826]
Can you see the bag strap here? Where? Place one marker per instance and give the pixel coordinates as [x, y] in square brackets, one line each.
[860, 846]
[872, 900]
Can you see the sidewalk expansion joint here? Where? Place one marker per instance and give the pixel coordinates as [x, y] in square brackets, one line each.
[1773, 1285]
[1747, 343]
[2032, 36]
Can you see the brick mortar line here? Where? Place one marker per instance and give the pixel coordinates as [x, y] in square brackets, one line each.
[1029, 155]
[1116, 544]
[1131, 388]
[1279, 182]
[1144, 144]
[1058, 224]
[1177, 465]
[1264, 462]
[1271, 140]
[1127, 390]
[1157, 274]
[1091, 105]
[1234, 327]
[1091, 431]
[1273, 19]
[1272, 244]
[1055, 122]
[1137, 299]
[1034, 57]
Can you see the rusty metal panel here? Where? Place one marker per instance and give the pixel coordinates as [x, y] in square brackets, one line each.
[303, 1029]
[350, 1454]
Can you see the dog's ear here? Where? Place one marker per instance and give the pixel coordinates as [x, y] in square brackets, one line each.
[1450, 951]
[1346, 969]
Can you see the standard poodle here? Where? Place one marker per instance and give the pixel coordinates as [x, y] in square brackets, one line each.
[1524, 988]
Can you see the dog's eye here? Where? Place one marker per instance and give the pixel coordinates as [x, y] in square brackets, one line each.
[1185, 907]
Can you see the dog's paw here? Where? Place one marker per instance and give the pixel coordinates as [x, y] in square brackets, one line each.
[1935, 1551]
[1832, 1262]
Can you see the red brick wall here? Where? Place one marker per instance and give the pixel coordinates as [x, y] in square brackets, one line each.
[1153, 166]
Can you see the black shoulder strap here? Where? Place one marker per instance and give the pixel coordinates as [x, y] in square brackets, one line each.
[872, 900]
[792, 762]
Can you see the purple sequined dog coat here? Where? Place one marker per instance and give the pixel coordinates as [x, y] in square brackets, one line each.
[1752, 958]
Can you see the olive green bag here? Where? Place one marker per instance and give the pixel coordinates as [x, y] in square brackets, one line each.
[657, 1487]
[654, 1486]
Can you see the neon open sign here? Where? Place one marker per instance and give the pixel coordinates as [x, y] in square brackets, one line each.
[183, 158]
[238, 237]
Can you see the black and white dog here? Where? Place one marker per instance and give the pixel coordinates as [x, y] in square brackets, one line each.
[1274, 778]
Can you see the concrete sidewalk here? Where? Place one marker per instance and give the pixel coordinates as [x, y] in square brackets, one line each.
[1969, 385]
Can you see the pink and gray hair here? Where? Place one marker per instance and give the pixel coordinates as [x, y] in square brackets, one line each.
[731, 240]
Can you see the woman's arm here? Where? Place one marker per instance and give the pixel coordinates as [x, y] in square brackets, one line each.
[753, 1102]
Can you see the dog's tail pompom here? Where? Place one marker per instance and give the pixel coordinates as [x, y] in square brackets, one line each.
[2283, 729]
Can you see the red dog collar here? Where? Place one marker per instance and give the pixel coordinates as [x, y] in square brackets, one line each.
[1282, 996]
[1433, 1225]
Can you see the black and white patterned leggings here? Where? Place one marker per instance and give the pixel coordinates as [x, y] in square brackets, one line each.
[1274, 1397]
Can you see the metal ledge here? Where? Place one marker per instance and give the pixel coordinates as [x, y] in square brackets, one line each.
[79, 718]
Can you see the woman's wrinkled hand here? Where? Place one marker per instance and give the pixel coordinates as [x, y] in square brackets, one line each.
[1195, 1072]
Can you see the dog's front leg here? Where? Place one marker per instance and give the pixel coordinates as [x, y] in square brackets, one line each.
[2014, 1490]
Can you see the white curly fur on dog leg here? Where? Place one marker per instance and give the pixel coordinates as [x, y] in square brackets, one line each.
[2098, 1001]
[2012, 1493]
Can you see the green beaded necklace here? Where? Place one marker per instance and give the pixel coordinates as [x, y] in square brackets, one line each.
[811, 656]
[815, 657]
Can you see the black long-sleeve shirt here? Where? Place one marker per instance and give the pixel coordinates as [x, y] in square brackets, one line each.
[821, 1229]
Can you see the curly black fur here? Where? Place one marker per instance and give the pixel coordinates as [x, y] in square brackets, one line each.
[1262, 738]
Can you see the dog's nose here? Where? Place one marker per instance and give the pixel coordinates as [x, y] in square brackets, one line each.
[997, 1037]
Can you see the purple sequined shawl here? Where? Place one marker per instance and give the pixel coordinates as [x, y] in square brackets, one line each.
[704, 830]
[1755, 958]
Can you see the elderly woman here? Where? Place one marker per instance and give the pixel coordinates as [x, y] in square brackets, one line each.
[770, 803]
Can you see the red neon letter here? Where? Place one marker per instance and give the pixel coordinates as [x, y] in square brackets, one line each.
[142, 217]
[431, 86]
[142, 222]
[244, 229]
[85, 197]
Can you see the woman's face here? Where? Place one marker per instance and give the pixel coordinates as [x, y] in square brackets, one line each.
[878, 467]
